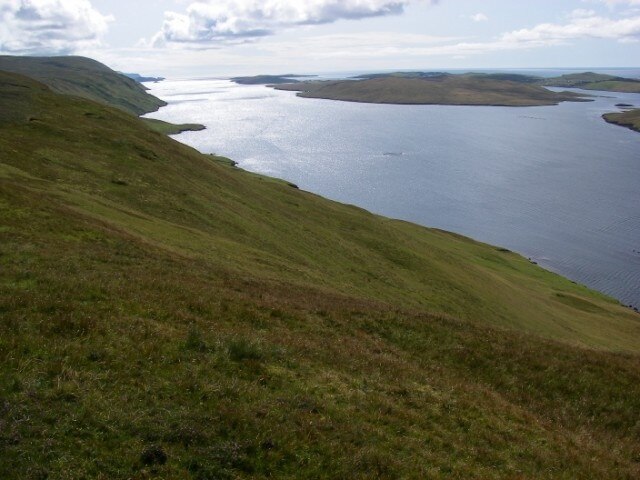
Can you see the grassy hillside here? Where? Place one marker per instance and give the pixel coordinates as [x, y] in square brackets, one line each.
[629, 119]
[165, 315]
[86, 78]
[434, 90]
[594, 81]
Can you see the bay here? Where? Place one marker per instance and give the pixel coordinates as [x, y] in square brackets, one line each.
[556, 184]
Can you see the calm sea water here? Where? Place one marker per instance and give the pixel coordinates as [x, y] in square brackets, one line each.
[557, 184]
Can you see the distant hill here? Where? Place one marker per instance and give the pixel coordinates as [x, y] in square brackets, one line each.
[433, 89]
[511, 77]
[594, 81]
[269, 79]
[370, 76]
[577, 79]
[140, 78]
[263, 80]
[86, 78]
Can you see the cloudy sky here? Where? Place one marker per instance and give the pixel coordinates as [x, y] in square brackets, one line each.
[181, 38]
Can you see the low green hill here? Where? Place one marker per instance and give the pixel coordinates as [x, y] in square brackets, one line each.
[164, 314]
[629, 118]
[86, 78]
[433, 89]
[264, 80]
[594, 81]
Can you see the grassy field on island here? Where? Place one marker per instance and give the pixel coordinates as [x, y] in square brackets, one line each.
[166, 315]
[629, 118]
[443, 89]
[594, 81]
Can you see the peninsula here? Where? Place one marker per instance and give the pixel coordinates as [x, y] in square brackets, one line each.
[172, 128]
[269, 79]
[432, 89]
[629, 118]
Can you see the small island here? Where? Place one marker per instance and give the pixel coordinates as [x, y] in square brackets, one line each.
[424, 88]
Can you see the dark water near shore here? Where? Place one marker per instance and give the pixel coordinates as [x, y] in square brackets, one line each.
[556, 184]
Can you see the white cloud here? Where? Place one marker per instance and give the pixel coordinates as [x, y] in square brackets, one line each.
[613, 3]
[479, 17]
[357, 45]
[211, 22]
[582, 24]
[49, 26]
[582, 13]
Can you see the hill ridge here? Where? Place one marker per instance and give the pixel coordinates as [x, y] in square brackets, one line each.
[86, 78]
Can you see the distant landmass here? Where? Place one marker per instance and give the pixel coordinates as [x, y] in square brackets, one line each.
[141, 78]
[434, 89]
[441, 88]
[594, 81]
[584, 80]
[269, 79]
[370, 76]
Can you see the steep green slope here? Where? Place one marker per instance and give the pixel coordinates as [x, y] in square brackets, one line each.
[119, 172]
[165, 314]
[86, 78]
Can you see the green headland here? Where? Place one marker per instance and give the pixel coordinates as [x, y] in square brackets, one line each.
[628, 118]
[172, 128]
[429, 89]
[164, 314]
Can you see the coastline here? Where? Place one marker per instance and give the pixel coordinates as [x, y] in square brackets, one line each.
[403, 104]
[523, 253]
[449, 91]
[621, 119]
[169, 128]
